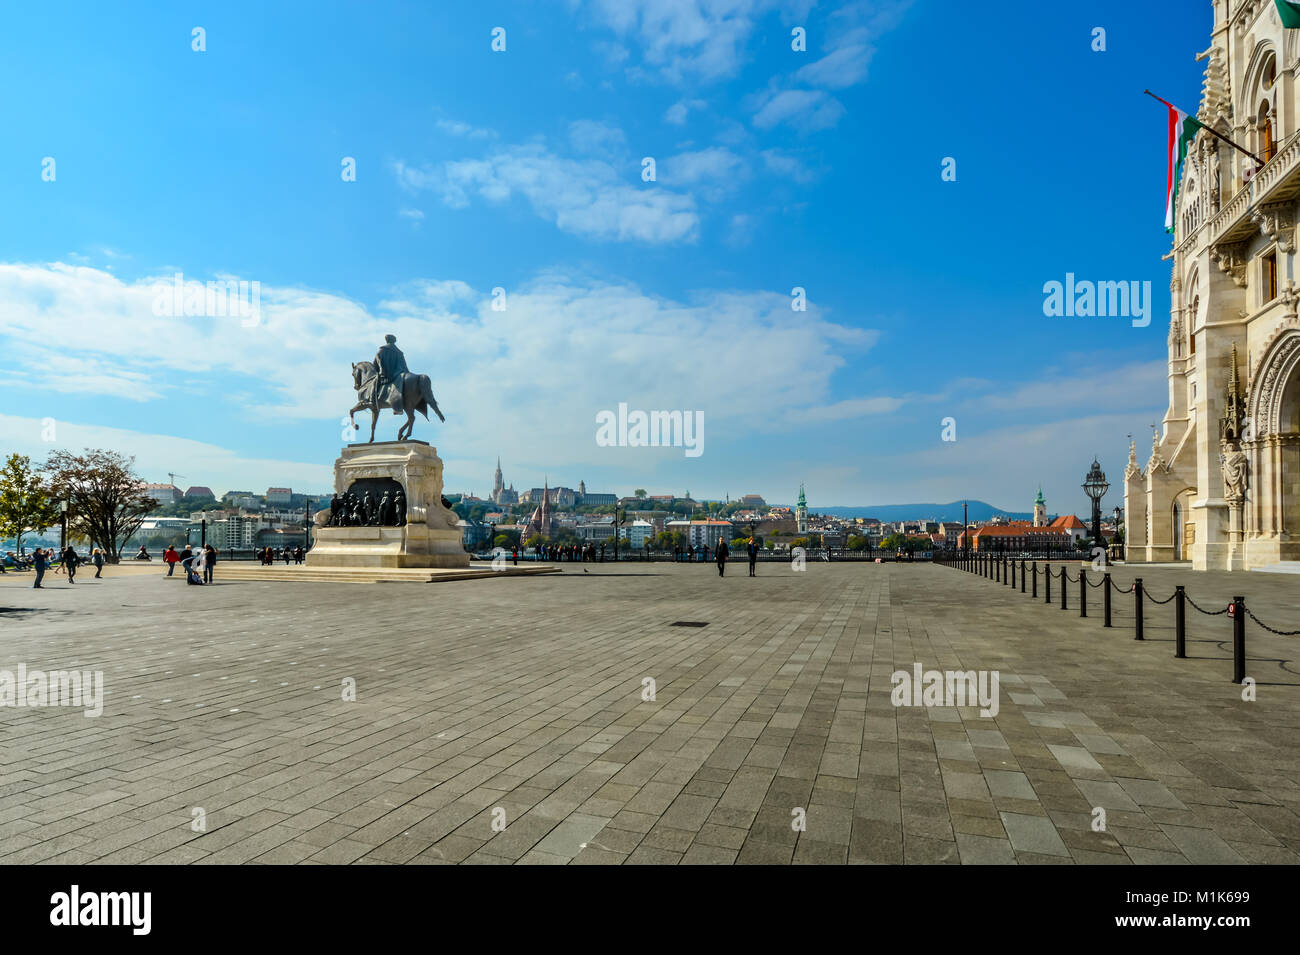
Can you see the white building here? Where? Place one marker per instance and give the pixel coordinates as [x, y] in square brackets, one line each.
[705, 533]
[637, 533]
[1221, 487]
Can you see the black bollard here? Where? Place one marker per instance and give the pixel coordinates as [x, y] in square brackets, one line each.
[1065, 579]
[1022, 576]
[1180, 622]
[1083, 593]
[1106, 598]
[1238, 639]
[1137, 609]
[1035, 593]
[1047, 583]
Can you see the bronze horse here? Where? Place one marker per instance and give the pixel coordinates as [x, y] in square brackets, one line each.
[417, 395]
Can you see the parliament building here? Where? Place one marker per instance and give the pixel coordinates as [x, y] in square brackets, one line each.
[1221, 486]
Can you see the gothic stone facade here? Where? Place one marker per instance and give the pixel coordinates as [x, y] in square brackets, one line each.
[1222, 485]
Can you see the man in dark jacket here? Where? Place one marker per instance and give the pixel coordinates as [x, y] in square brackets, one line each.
[752, 549]
[722, 553]
[70, 562]
[39, 563]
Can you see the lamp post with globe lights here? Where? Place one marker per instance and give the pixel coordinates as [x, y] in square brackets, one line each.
[1094, 485]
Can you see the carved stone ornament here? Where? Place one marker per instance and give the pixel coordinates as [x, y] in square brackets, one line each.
[1155, 461]
[1133, 470]
[1236, 471]
[1231, 259]
[1276, 222]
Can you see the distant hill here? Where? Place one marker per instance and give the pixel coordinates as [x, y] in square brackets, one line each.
[976, 510]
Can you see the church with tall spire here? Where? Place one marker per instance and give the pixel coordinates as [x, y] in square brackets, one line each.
[500, 493]
[541, 521]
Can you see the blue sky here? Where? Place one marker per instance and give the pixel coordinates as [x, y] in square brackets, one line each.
[522, 170]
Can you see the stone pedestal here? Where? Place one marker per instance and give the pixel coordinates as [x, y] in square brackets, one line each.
[430, 536]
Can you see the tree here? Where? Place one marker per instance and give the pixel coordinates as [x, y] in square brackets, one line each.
[106, 498]
[639, 492]
[25, 501]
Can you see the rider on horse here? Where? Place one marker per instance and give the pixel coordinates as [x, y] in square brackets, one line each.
[391, 365]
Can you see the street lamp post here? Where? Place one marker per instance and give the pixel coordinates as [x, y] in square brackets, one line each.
[63, 533]
[1094, 485]
[965, 529]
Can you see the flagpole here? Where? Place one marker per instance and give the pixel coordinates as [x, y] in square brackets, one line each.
[1210, 131]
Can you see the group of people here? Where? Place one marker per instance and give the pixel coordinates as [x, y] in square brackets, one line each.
[723, 552]
[576, 552]
[63, 562]
[197, 564]
[268, 555]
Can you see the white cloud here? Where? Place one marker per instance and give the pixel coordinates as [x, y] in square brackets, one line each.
[677, 113]
[156, 454]
[716, 171]
[842, 410]
[459, 128]
[587, 197]
[790, 167]
[590, 137]
[506, 380]
[806, 110]
[682, 40]
[800, 98]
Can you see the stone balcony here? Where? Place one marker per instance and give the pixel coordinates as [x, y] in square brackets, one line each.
[1278, 181]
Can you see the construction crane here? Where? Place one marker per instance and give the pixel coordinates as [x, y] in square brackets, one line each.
[172, 476]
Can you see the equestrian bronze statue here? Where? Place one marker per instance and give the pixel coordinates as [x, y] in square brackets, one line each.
[386, 383]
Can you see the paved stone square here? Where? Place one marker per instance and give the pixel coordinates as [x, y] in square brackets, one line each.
[519, 703]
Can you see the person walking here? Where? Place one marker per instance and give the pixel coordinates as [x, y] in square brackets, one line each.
[70, 562]
[209, 560]
[752, 549]
[185, 555]
[97, 558]
[171, 558]
[722, 553]
[39, 564]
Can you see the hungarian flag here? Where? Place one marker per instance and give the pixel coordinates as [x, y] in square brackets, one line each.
[1289, 12]
[1182, 129]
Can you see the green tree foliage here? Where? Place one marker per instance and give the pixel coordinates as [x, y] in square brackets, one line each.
[25, 500]
[107, 499]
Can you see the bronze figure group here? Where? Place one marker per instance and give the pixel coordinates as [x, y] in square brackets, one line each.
[351, 509]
